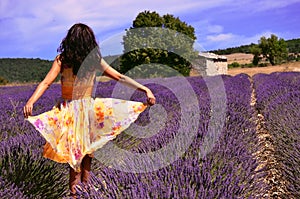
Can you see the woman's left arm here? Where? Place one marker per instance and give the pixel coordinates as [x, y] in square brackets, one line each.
[112, 73]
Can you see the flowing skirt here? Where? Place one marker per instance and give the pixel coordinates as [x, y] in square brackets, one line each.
[76, 128]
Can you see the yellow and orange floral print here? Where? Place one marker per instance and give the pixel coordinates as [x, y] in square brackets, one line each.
[79, 127]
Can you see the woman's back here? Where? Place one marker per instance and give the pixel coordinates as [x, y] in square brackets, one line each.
[74, 87]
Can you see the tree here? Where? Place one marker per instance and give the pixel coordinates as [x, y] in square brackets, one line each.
[158, 46]
[273, 49]
[256, 51]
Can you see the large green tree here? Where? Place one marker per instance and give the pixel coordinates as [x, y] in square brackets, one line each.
[158, 46]
[273, 49]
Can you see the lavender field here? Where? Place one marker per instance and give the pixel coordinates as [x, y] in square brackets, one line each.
[227, 157]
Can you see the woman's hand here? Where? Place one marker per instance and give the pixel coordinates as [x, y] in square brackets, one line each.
[50, 77]
[150, 97]
[27, 110]
[114, 74]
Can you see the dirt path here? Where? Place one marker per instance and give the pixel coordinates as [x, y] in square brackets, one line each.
[265, 156]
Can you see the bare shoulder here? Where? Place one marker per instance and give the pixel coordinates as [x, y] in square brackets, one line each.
[57, 59]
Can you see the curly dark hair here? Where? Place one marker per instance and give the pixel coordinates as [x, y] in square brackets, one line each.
[78, 47]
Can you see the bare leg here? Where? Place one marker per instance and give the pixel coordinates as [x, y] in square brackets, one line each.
[73, 181]
[86, 168]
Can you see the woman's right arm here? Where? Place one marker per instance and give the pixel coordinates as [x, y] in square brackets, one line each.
[39, 91]
[112, 73]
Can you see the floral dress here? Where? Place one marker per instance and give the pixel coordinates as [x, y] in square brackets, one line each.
[78, 127]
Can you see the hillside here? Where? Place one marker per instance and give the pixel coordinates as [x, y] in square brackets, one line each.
[244, 58]
[293, 45]
[287, 67]
[241, 58]
[23, 70]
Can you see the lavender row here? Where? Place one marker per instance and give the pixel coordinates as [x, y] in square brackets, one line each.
[228, 170]
[24, 172]
[12, 102]
[278, 99]
[23, 167]
[217, 163]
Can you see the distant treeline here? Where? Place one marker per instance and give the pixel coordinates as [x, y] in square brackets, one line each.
[19, 70]
[292, 44]
[22, 70]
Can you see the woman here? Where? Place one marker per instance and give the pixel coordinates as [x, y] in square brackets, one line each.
[80, 124]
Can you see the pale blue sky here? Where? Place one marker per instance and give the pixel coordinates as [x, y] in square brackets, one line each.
[35, 28]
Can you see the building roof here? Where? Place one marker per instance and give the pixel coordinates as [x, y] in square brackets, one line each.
[213, 56]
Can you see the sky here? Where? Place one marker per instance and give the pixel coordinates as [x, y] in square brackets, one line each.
[35, 28]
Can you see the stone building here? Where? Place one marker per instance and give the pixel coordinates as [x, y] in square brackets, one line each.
[209, 64]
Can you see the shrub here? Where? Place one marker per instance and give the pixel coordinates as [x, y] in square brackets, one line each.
[234, 65]
[3, 81]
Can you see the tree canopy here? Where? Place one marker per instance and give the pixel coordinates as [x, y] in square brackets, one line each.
[273, 49]
[158, 46]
